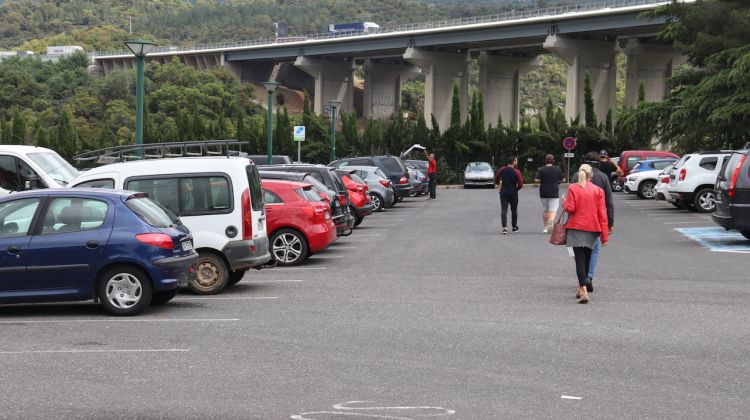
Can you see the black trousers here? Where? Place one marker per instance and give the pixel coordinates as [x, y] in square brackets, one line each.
[583, 261]
[433, 185]
[512, 200]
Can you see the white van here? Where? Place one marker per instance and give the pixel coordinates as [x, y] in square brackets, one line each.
[29, 167]
[218, 198]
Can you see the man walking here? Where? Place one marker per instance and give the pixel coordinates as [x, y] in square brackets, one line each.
[432, 174]
[549, 178]
[509, 180]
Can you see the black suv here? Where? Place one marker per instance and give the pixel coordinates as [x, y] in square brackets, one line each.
[392, 166]
[733, 194]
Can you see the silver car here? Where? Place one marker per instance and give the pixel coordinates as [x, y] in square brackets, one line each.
[479, 174]
[381, 193]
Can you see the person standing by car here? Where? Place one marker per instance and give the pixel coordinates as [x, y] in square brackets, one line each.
[586, 225]
[549, 178]
[432, 174]
[509, 180]
[607, 166]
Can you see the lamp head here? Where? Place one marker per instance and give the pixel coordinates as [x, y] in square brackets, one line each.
[270, 86]
[334, 103]
[140, 48]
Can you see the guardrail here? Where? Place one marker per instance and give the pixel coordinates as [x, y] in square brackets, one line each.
[500, 17]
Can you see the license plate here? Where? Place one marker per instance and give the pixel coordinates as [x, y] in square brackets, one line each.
[187, 245]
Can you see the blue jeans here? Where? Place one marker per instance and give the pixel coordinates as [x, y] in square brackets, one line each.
[594, 257]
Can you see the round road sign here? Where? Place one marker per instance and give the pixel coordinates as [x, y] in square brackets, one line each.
[569, 143]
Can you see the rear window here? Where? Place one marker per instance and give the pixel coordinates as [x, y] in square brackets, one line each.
[188, 196]
[392, 164]
[709, 163]
[149, 212]
[256, 191]
[380, 173]
[729, 166]
[356, 178]
[309, 195]
[98, 183]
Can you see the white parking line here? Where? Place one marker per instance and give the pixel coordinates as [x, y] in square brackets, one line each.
[568, 397]
[274, 269]
[98, 351]
[73, 321]
[272, 281]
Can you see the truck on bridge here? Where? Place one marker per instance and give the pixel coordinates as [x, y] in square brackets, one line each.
[364, 27]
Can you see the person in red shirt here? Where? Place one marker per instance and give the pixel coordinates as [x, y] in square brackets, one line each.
[588, 222]
[432, 174]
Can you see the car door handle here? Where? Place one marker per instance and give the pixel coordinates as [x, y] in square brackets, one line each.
[13, 249]
[92, 244]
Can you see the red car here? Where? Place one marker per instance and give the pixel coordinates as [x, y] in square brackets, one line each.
[298, 220]
[359, 196]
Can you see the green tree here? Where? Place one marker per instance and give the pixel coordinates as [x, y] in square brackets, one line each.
[349, 132]
[19, 128]
[6, 133]
[455, 108]
[588, 103]
[67, 139]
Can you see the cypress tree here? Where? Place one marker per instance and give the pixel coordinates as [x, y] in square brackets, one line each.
[197, 126]
[588, 102]
[19, 128]
[641, 93]
[40, 136]
[455, 108]
[6, 135]
[608, 124]
[67, 139]
[184, 127]
[241, 135]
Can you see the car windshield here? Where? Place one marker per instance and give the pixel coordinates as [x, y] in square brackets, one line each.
[479, 167]
[55, 166]
[150, 212]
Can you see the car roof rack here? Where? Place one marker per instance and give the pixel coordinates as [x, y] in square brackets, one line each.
[175, 149]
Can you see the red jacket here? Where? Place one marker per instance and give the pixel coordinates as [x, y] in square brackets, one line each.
[587, 209]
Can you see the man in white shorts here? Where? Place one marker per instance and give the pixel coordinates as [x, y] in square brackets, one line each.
[549, 178]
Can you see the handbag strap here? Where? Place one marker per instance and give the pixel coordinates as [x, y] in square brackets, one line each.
[560, 215]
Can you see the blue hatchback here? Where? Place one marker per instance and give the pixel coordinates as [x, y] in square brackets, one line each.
[117, 247]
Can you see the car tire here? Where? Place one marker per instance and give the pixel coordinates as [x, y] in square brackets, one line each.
[358, 221]
[704, 200]
[125, 291]
[377, 202]
[646, 190]
[160, 298]
[236, 276]
[745, 233]
[211, 275]
[288, 247]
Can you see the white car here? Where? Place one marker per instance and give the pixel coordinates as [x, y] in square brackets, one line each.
[479, 174]
[691, 181]
[219, 199]
[30, 167]
[642, 183]
[662, 185]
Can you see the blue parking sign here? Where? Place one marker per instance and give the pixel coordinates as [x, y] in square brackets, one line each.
[299, 133]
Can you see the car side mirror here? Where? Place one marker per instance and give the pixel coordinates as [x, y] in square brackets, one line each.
[32, 183]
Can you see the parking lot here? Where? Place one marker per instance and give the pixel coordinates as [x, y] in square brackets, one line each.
[426, 310]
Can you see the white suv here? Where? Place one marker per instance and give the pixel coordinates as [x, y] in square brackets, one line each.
[693, 177]
[30, 167]
[218, 198]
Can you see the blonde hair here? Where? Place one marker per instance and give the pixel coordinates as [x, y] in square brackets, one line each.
[584, 174]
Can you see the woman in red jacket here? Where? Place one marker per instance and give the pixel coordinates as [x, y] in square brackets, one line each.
[584, 202]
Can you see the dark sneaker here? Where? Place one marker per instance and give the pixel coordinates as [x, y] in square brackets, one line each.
[589, 286]
[515, 228]
[505, 231]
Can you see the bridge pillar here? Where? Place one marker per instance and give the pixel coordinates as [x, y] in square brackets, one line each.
[333, 80]
[442, 72]
[499, 82]
[383, 88]
[597, 58]
[650, 65]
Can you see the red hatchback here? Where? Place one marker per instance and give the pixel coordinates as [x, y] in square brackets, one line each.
[358, 195]
[298, 220]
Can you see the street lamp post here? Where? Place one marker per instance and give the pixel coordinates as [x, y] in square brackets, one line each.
[139, 49]
[334, 106]
[270, 88]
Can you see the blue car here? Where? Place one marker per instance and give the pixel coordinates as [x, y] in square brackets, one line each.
[651, 165]
[117, 247]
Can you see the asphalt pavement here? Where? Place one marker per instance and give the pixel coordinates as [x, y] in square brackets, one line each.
[426, 310]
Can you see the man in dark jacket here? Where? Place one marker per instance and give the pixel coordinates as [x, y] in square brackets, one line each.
[510, 181]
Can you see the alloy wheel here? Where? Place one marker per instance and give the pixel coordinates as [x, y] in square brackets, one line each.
[707, 201]
[287, 248]
[375, 201]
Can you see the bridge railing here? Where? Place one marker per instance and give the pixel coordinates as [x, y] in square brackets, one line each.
[474, 20]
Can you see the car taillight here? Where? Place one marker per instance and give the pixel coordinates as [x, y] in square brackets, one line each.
[385, 183]
[735, 175]
[683, 174]
[324, 197]
[159, 240]
[342, 200]
[403, 180]
[665, 180]
[247, 216]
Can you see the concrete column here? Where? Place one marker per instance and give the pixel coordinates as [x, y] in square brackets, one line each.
[499, 82]
[650, 65]
[333, 80]
[383, 88]
[597, 58]
[442, 72]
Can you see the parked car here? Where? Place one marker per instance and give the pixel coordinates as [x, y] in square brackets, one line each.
[275, 159]
[662, 184]
[299, 223]
[359, 199]
[643, 183]
[379, 187]
[118, 247]
[629, 158]
[693, 178]
[651, 165]
[733, 194]
[218, 198]
[479, 174]
[420, 184]
[329, 196]
[28, 168]
[327, 176]
[391, 166]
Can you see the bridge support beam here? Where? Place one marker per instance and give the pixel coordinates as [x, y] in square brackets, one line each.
[650, 65]
[383, 88]
[442, 72]
[333, 81]
[499, 82]
[597, 58]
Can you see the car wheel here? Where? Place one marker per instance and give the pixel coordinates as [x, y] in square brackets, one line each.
[125, 291]
[236, 276]
[705, 201]
[160, 298]
[358, 221]
[288, 247]
[377, 202]
[617, 186]
[646, 190]
[745, 233]
[211, 275]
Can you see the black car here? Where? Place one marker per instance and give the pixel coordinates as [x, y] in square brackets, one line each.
[392, 166]
[327, 177]
[732, 193]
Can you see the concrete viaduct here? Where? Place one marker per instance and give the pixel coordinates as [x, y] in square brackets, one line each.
[587, 37]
